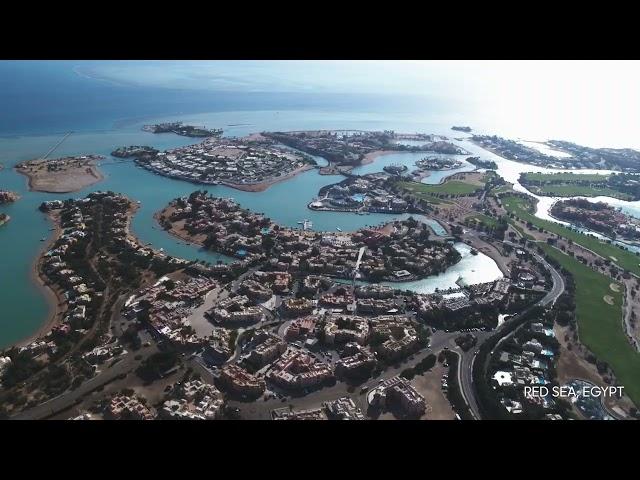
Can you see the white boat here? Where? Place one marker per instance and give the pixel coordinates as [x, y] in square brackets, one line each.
[338, 229]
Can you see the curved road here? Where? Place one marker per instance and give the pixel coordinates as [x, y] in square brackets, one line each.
[127, 364]
[465, 369]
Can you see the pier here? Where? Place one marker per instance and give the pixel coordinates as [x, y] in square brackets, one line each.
[52, 149]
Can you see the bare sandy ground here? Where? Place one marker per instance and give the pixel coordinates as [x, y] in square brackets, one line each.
[55, 299]
[177, 228]
[371, 156]
[69, 179]
[255, 137]
[430, 386]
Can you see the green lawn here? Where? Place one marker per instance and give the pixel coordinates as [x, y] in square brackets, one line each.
[600, 324]
[572, 185]
[502, 189]
[452, 187]
[625, 259]
[482, 218]
[573, 190]
[565, 177]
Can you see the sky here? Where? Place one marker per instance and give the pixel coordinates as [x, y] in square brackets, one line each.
[595, 100]
[594, 103]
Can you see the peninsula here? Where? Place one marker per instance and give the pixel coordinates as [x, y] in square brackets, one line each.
[345, 149]
[134, 151]
[579, 157]
[62, 175]
[251, 164]
[397, 251]
[368, 193]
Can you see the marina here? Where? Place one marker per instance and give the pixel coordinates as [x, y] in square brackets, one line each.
[26, 307]
[371, 240]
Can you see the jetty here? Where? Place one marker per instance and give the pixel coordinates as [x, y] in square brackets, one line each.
[53, 149]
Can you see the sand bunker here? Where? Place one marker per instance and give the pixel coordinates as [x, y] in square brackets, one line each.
[615, 287]
[608, 299]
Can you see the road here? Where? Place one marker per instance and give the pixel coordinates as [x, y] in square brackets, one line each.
[68, 399]
[465, 370]
[126, 365]
[438, 341]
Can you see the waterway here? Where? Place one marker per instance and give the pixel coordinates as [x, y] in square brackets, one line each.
[471, 269]
[510, 171]
[24, 307]
[409, 159]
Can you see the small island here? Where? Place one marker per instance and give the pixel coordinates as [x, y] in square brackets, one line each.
[184, 130]
[486, 164]
[395, 169]
[437, 163]
[363, 194]
[8, 197]
[4, 219]
[62, 175]
[461, 129]
[599, 217]
[133, 151]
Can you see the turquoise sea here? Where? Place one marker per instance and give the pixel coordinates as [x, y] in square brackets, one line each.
[24, 307]
[44, 100]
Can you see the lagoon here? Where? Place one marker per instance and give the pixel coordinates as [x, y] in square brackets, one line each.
[25, 308]
[409, 159]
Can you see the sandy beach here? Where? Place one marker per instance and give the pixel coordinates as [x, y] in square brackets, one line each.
[371, 156]
[262, 186]
[55, 299]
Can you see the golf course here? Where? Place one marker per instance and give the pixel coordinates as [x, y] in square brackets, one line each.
[599, 317]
